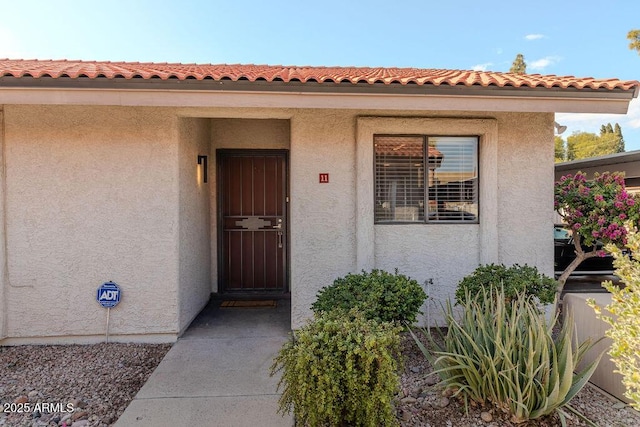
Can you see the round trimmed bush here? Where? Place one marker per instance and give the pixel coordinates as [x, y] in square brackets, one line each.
[513, 280]
[379, 295]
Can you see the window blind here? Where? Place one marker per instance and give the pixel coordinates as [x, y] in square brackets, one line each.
[399, 182]
[453, 184]
[446, 166]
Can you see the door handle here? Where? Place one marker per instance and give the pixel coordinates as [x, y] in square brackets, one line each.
[278, 227]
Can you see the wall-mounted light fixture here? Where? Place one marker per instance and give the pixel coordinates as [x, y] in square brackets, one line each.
[559, 128]
[202, 160]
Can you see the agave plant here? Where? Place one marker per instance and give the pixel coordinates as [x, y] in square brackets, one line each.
[507, 357]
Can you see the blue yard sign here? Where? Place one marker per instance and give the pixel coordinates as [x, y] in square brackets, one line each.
[108, 295]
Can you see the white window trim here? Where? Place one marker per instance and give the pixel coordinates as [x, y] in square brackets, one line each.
[485, 129]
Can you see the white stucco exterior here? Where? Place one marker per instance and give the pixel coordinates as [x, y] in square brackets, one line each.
[194, 215]
[91, 195]
[95, 193]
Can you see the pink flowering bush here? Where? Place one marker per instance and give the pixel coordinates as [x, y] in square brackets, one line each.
[596, 210]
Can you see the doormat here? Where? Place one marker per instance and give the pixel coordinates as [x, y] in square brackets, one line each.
[248, 303]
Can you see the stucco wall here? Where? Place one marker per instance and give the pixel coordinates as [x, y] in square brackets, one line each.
[322, 215]
[3, 281]
[589, 326]
[91, 196]
[332, 224]
[440, 254]
[238, 133]
[101, 193]
[194, 239]
[525, 190]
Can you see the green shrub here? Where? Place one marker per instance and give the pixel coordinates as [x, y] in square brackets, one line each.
[625, 319]
[340, 371]
[380, 295]
[513, 280]
[507, 357]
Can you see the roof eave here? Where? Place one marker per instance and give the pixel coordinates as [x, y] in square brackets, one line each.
[227, 93]
[609, 159]
[311, 87]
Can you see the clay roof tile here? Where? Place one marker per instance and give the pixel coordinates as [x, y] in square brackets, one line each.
[325, 75]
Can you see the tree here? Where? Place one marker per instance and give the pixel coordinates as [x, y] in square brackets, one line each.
[634, 38]
[570, 153]
[611, 136]
[560, 150]
[585, 145]
[609, 128]
[518, 66]
[595, 210]
[618, 133]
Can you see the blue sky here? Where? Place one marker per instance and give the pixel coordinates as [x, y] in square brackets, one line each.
[581, 38]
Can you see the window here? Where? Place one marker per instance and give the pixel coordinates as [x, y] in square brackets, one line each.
[420, 174]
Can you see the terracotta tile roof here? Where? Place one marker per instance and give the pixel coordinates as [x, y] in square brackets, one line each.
[271, 73]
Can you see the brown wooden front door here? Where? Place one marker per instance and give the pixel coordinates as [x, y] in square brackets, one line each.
[252, 189]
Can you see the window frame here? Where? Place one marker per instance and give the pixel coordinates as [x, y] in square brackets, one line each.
[425, 178]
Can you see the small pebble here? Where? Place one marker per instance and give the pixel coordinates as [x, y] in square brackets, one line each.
[447, 392]
[21, 399]
[79, 415]
[443, 402]
[432, 380]
[78, 403]
[486, 417]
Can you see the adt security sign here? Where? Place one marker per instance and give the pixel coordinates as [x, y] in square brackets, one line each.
[108, 295]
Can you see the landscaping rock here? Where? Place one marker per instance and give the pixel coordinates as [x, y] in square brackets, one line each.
[432, 380]
[21, 400]
[486, 416]
[86, 376]
[443, 402]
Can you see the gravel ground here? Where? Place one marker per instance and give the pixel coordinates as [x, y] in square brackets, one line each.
[72, 385]
[421, 404]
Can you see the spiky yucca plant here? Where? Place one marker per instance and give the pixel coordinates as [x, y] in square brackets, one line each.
[507, 357]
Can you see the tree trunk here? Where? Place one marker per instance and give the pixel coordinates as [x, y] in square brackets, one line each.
[580, 257]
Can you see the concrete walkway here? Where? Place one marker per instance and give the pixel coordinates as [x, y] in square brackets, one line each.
[217, 374]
